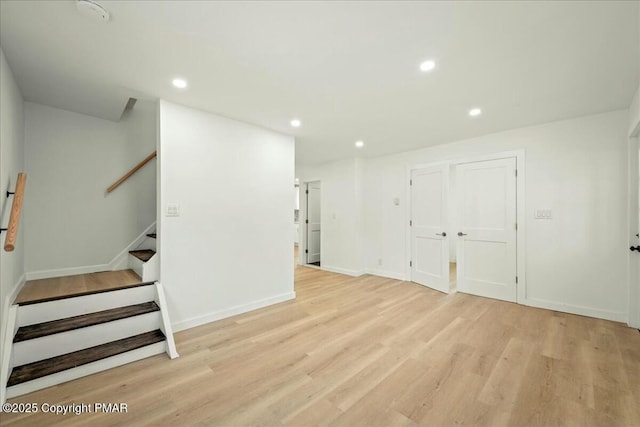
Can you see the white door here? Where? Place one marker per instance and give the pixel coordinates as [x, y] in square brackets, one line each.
[313, 222]
[486, 246]
[429, 241]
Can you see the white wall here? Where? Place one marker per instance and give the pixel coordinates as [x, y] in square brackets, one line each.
[11, 163]
[230, 250]
[634, 112]
[577, 261]
[634, 212]
[341, 204]
[71, 224]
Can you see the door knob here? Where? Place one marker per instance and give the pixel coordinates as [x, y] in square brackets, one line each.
[460, 233]
[443, 234]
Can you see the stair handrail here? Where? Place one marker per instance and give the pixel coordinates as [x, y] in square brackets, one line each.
[16, 210]
[135, 169]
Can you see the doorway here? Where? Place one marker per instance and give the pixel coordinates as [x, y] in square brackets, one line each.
[313, 223]
[462, 233]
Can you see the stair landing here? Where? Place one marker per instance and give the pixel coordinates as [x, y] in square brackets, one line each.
[80, 284]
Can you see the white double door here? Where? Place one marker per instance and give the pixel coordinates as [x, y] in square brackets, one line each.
[483, 225]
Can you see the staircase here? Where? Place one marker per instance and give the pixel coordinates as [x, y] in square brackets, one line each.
[62, 338]
[144, 261]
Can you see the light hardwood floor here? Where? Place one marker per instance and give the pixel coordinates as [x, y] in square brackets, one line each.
[370, 351]
[35, 290]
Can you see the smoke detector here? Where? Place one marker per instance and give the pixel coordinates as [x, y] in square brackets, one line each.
[93, 10]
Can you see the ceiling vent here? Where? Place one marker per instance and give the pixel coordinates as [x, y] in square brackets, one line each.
[92, 10]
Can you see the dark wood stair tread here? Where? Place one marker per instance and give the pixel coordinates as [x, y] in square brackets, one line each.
[84, 293]
[144, 254]
[76, 322]
[42, 368]
[152, 235]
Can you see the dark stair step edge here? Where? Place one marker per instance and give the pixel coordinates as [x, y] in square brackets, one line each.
[144, 255]
[152, 235]
[42, 368]
[44, 329]
[85, 293]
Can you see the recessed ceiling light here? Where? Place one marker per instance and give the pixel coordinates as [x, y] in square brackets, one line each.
[179, 83]
[475, 112]
[359, 144]
[296, 123]
[427, 66]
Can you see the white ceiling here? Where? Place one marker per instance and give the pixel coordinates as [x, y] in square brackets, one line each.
[348, 70]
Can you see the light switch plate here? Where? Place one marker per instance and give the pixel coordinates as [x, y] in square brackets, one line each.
[542, 214]
[173, 209]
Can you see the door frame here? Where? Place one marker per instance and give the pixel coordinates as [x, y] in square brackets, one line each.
[302, 216]
[633, 316]
[521, 266]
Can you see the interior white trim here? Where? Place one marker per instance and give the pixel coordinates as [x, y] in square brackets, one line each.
[616, 316]
[119, 262]
[232, 311]
[166, 323]
[6, 362]
[17, 287]
[386, 273]
[46, 274]
[7, 331]
[633, 317]
[346, 271]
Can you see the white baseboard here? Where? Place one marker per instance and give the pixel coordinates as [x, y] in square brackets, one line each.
[119, 262]
[348, 272]
[231, 311]
[576, 309]
[71, 271]
[5, 334]
[386, 273]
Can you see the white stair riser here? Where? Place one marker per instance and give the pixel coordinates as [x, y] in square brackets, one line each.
[135, 264]
[148, 243]
[69, 307]
[151, 269]
[88, 369]
[6, 358]
[66, 342]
